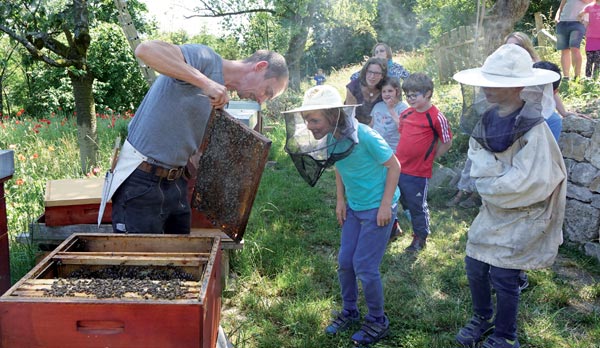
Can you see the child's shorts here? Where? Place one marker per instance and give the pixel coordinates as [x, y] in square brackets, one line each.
[569, 34]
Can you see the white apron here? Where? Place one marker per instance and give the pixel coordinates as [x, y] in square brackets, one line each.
[129, 159]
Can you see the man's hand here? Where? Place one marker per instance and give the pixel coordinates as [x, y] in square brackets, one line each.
[217, 94]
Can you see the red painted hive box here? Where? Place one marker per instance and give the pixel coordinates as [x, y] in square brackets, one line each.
[74, 202]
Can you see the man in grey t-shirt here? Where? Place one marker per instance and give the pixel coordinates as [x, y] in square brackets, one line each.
[169, 125]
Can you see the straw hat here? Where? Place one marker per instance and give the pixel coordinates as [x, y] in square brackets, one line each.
[321, 97]
[509, 66]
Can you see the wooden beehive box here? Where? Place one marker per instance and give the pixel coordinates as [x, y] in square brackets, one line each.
[74, 201]
[65, 302]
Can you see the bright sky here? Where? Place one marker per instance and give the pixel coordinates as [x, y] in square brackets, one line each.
[170, 16]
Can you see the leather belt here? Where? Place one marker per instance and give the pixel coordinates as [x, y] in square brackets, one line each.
[165, 173]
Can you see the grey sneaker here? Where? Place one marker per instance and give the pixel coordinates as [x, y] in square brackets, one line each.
[475, 330]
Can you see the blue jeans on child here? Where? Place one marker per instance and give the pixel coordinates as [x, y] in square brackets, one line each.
[146, 203]
[413, 196]
[363, 244]
[506, 283]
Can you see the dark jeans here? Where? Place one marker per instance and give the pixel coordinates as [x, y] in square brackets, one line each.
[413, 196]
[145, 203]
[506, 283]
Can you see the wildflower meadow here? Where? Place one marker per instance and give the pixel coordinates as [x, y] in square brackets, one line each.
[45, 148]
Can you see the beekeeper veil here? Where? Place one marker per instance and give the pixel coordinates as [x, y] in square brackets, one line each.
[312, 152]
[509, 66]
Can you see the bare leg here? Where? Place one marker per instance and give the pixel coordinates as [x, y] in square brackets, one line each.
[576, 59]
[565, 62]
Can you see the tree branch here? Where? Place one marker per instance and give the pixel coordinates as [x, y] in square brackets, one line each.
[35, 53]
[52, 44]
[234, 13]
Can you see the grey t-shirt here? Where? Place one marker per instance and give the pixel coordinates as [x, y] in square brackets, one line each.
[169, 124]
[571, 10]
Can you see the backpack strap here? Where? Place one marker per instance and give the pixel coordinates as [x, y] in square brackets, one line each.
[435, 137]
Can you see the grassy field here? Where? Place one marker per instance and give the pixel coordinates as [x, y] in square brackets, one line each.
[283, 284]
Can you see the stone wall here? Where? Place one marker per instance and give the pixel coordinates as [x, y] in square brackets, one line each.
[580, 145]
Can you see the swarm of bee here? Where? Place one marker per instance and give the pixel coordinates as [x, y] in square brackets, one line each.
[120, 281]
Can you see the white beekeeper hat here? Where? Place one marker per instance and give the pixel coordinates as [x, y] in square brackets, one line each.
[509, 66]
[321, 97]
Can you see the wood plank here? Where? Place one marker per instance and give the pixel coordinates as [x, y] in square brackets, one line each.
[131, 253]
[226, 241]
[131, 260]
[42, 233]
[127, 295]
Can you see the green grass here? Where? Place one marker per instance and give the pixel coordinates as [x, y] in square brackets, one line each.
[283, 284]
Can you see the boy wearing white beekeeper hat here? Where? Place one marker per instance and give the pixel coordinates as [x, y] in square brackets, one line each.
[520, 174]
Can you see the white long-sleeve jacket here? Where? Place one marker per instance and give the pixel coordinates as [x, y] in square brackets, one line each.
[523, 191]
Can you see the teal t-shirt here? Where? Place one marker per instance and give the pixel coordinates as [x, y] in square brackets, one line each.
[363, 172]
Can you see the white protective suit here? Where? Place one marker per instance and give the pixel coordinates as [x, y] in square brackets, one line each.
[523, 192]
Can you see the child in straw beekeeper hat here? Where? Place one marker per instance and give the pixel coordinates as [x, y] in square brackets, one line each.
[367, 196]
[520, 174]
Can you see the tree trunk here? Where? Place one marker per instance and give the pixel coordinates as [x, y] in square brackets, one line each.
[86, 120]
[294, 55]
[501, 20]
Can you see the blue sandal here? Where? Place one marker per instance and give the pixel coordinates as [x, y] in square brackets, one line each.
[342, 321]
[371, 331]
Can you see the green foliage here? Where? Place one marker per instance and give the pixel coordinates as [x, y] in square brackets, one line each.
[337, 32]
[105, 11]
[547, 8]
[439, 16]
[119, 83]
[263, 32]
[340, 36]
[337, 46]
[397, 26]
[47, 89]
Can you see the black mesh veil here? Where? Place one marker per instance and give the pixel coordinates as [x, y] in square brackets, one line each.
[477, 113]
[312, 156]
